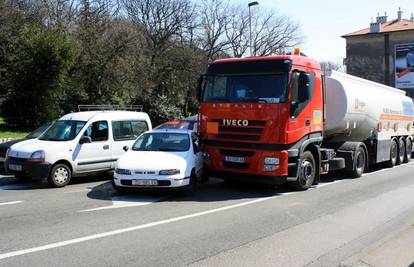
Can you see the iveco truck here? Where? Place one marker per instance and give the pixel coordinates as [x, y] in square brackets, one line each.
[278, 119]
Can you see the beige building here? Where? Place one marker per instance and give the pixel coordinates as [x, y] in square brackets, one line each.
[383, 52]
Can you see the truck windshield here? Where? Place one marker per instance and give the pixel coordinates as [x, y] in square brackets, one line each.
[270, 88]
[162, 142]
[62, 131]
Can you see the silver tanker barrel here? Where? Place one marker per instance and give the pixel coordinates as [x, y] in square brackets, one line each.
[357, 109]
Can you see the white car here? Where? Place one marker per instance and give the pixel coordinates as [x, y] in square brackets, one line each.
[77, 144]
[161, 158]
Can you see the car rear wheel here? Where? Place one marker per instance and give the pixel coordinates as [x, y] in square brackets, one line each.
[59, 176]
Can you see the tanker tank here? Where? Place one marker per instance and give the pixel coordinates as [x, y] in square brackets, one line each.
[357, 109]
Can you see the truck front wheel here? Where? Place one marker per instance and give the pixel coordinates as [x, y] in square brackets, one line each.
[306, 173]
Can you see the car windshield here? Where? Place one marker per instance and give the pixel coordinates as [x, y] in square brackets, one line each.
[62, 131]
[36, 133]
[248, 88]
[162, 142]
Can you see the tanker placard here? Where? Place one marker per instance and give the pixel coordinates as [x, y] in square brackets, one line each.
[404, 66]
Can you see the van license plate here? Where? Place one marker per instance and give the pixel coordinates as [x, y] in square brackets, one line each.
[234, 159]
[15, 167]
[145, 182]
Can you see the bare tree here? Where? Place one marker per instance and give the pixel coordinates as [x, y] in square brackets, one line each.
[162, 20]
[237, 32]
[332, 65]
[214, 17]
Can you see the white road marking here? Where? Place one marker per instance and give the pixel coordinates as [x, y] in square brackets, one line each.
[10, 203]
[79, 190]
[128, 201]
[134, 228]
[329, 183]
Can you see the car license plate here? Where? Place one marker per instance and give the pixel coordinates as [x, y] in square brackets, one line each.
[143, 182]
[15, 167]
[234, 159]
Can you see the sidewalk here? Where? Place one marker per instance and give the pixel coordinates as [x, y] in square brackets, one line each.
[395, 251]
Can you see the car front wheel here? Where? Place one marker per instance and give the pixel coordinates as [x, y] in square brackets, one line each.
[59, 176]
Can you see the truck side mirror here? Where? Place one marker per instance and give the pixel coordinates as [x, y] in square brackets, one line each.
[304, 92]
[199, 87]
[125, 148]
[85, 140]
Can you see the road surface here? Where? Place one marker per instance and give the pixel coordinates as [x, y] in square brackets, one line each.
[341, 222]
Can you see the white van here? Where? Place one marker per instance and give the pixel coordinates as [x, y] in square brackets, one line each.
[77, 144]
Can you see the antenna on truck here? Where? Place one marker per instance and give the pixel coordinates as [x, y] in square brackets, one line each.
[137, 108]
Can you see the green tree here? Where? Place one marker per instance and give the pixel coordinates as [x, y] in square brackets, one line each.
[37, 78]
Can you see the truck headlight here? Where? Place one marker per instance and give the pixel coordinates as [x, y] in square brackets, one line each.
[122, 171]
[37, 157]
[271, 161]
[169, 172]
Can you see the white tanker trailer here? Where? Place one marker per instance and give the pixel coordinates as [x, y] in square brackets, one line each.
[366, 118]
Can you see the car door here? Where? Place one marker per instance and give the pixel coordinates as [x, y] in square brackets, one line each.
[124, 133]
[96, 155]
[198, 160]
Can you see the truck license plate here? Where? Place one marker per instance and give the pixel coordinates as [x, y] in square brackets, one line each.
[234, 159]
[15, 167]
[142, 182]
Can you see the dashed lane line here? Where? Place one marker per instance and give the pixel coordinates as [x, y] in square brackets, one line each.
[10, 203]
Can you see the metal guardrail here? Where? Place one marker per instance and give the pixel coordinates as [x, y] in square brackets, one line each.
[137, 108]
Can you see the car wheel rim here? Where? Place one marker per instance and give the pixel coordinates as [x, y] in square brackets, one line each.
[61, 175]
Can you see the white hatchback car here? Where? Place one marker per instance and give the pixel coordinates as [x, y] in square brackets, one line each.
[161, 158]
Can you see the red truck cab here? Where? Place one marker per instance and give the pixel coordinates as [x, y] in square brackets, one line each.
[258, 115]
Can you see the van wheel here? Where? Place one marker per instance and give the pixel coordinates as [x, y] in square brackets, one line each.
[59, 176]
[359, 163]
[408, 149]
[193, 186]
[401, 151]
[307, 172]
[393, 154]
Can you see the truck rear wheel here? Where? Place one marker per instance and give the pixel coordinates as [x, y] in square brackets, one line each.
[359, 162]
[306, 173]
[401, 151]
[393, 154]
[408, 149]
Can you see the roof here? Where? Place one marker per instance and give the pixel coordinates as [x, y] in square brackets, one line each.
[390, 26]
[113, 115]
[186, 131]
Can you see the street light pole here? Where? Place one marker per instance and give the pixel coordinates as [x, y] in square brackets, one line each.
[250, 25]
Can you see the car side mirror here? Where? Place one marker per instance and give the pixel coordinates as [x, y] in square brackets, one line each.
[304, 92]
[85, 140]
[125, 148]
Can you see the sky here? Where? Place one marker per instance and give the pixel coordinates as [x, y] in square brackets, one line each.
[324, 21]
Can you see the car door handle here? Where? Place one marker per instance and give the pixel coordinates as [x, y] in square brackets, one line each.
[308, 122]
[106, 147]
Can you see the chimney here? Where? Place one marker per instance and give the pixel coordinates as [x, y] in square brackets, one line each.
[375, 27]
[382, 19]
[400, 13]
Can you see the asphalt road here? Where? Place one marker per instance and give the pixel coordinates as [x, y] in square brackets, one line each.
[88, 224]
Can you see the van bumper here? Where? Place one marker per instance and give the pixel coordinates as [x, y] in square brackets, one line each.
[34, 170]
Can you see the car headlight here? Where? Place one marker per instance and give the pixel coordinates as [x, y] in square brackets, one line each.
[37, 157]
[271, 161]
[122, 171]
[169, 172]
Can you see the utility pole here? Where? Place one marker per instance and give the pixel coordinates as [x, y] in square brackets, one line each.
[250, 25]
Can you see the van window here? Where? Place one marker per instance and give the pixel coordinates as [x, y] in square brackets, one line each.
[128, 130]
[97, 131]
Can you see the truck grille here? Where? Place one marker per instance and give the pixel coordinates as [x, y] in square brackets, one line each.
[236, 153]
[234, 165]
[252, 132]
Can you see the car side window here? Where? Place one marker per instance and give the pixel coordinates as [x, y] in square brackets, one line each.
[97, 131]
[196, 143]
[128, 130]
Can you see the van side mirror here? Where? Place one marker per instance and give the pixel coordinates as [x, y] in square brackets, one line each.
[200, 87]
[85, 140]
[125, 148]
[304, 88]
